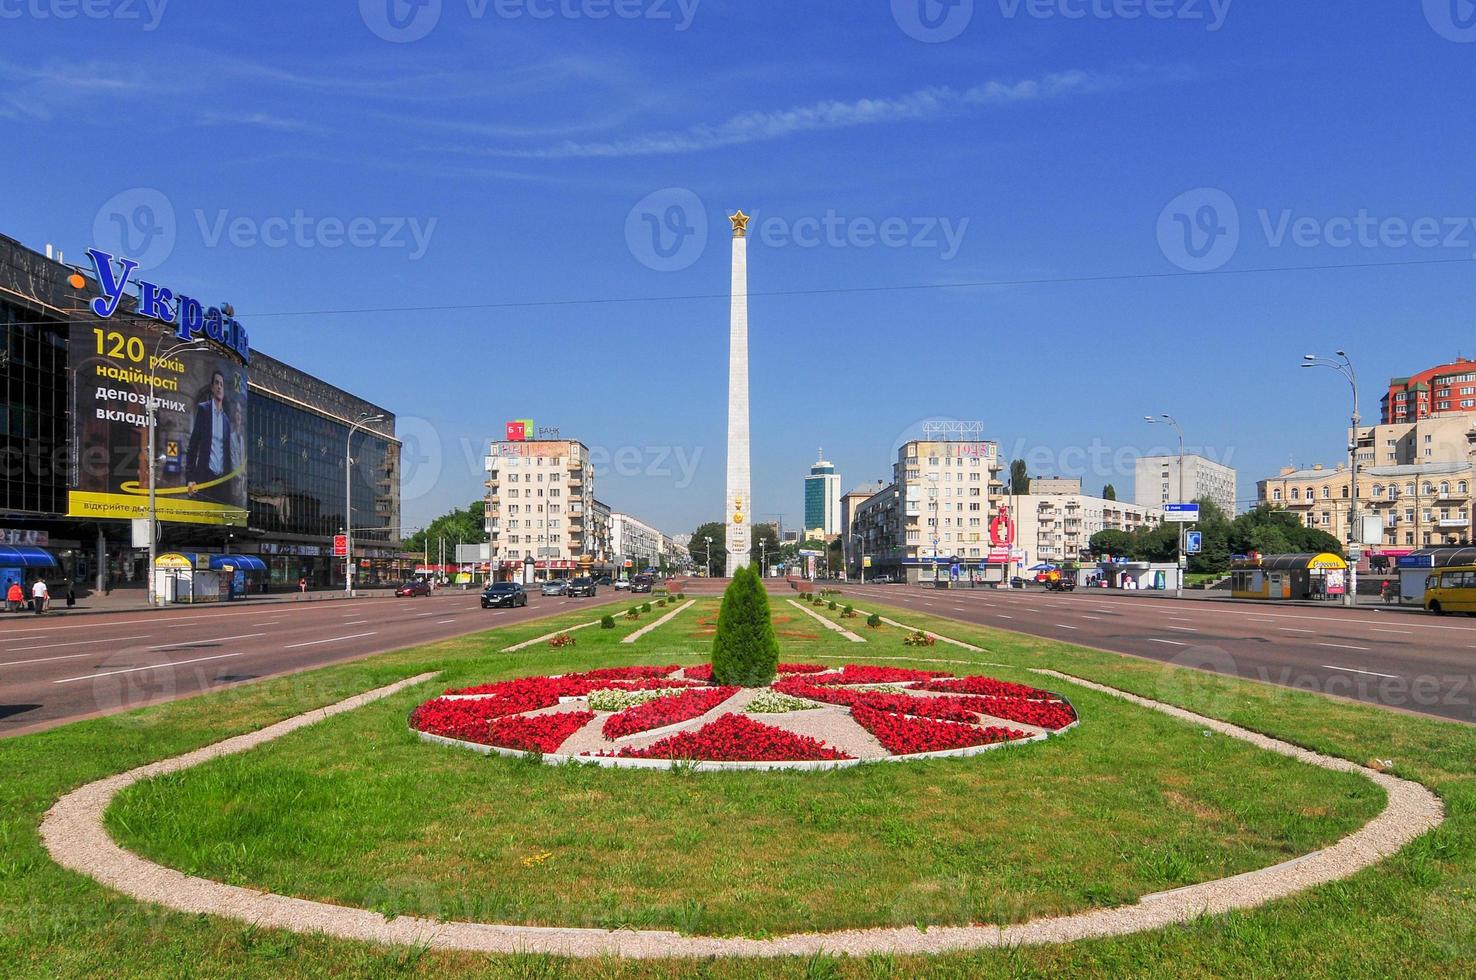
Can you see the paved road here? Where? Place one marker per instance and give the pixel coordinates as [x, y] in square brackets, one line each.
[55, 670]
[1403, 660]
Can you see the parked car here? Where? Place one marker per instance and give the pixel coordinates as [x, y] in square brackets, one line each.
[504, 594]
[412, 589]
[555, 586]
[641, 583]
[582, 587]
[621, 584]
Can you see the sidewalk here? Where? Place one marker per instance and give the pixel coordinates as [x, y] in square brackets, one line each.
[134, 601]
[1365, 602]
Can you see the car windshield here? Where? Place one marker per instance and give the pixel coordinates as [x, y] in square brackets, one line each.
[502, 587]
[582, 581]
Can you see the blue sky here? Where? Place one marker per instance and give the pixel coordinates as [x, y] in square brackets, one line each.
[1055, 180]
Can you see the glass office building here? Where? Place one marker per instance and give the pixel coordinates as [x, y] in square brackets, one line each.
[295, 445]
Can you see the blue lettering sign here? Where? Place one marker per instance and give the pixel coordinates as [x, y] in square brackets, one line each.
[159, 303]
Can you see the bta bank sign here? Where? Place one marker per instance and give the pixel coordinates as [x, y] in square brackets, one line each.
[190, 318]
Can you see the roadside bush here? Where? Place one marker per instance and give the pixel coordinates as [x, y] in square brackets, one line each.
[917, 638]
[832, 604]
[745, 651]
[607, 622]
[874, 621]
[848, 613]
[645, 607]
[661, 602]
[632, 613]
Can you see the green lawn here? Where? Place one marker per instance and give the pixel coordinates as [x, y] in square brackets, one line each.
[357, 810]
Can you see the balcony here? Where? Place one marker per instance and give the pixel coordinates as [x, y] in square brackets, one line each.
[1453, 522]
[1301, 502]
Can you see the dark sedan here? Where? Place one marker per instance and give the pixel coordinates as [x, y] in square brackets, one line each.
[584, 587]
[504, 594]
[412, 589]
[641, 583]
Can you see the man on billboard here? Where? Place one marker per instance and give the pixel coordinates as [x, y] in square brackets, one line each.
[211, 444]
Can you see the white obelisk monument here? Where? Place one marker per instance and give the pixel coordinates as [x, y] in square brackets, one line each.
[739, 507]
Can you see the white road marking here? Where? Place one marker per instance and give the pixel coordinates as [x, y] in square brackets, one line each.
[1085, 616]
[1355, 670]
[1003, 616]
[272, 622]
[46, 660]
[439, 622]
[333, 639]
[419, 615]
[1293, 629]
[356, 622]
[1063, 626]
[132, 670]
[191, 643]
[1345, 646]
[1154, 639]
[76, 643]
[1183, 629]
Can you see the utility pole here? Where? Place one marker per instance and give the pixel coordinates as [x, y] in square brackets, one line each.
[1355, 532]
[1183, 565]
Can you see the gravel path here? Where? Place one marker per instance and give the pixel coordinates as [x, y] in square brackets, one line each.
[73, 833]
[660, 622]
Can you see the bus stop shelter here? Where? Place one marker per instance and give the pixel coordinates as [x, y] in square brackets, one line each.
[1416, 567]
[1282, 577]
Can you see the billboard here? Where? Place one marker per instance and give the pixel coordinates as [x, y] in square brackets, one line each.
[200, 429]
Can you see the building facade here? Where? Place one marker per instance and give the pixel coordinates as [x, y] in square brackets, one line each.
[1058, 527]
[76, 387]
[635, 541]
[822, 500]
[851, 502]
[540, 506]
[1419, 505]
[1441, 390]
[1156, 482]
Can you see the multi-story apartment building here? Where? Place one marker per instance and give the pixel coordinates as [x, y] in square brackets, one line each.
[673, 556]
[1415, 476]
[947, 492]
[822, 500]
[875, 532]
[850, 504]
[1056, 527]
[540, 498]
[635, 541]
[1442, 390]
[1156, 482]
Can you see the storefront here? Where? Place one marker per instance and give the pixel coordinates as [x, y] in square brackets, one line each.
[196, 578]
[1282, 577]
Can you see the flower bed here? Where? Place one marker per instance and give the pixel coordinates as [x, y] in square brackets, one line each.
[909, 736]
[862, 674]
[537, 733]
[984, 685]
[734, 738]
[775, 703]
[666, 711]
[813, 715]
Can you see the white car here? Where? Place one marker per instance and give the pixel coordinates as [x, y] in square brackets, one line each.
[622, 583]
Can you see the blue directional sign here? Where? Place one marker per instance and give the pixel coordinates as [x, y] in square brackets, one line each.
[1181, 513]
[1194, 542]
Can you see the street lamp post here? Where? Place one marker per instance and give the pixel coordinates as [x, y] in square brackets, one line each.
[709, 556]
[933, 479]
[348, 500]
[1183, 565]
[153, 416]
[1355, 536]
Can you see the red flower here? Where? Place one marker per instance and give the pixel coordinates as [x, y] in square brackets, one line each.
[862, 674]
[666, 711]
[802, 668]
[986, 685]
[901, 735]
[702, 672]
[540, 733]
[735, 738]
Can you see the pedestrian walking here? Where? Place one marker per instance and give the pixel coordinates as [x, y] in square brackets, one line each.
[302, 585]
[40, 596]
[15, 597]
[71, 597]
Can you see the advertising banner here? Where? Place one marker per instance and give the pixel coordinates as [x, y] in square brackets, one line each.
[200, 425]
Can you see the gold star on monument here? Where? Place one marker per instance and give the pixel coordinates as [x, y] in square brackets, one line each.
[740, 224]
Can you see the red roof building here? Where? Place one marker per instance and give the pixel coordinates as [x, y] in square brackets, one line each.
[1448, 389]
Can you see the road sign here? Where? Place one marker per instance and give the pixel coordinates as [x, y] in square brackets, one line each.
[1181, 513]
[1194, 542]
[340, 546]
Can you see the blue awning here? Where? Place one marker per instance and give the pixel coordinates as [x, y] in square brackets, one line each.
[248, 563]
[13, 557]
